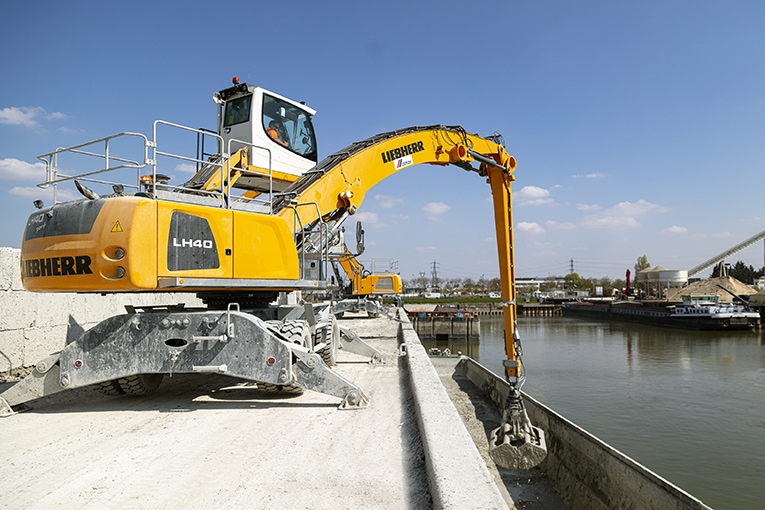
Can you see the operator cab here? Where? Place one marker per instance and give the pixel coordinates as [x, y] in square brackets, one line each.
[275, 126]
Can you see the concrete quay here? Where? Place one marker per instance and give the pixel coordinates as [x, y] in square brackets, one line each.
[205, 441]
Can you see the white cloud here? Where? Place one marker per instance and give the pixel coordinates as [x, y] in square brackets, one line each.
[611, 222]
[17, 170]
[565, 225]
[532, 195]
[26, 116]
[369, 218]
[530, 227]
[187, 168]
[435, 209]
[388, 202]
[594, 175]
[588, 207]
[674, 229]
[638, 208]
[423, 249]
[35, 193]
[622, 216]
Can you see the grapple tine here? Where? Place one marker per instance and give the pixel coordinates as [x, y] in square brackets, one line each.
[510, 453]
[516, 444]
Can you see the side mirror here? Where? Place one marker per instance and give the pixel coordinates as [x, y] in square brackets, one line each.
[359, 239]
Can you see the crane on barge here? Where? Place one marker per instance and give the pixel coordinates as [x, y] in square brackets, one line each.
[257, 218]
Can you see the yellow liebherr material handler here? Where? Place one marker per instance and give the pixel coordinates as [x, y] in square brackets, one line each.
[255, 219]
[365, 288]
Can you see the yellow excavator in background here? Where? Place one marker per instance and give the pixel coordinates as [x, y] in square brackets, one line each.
[257, 218]
[365, 288]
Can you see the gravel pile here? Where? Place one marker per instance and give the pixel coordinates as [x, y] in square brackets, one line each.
[710, 286]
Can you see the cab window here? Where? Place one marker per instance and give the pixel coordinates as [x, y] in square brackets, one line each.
[237, 111]
[289, 126]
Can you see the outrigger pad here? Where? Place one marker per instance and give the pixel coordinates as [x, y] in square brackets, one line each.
[509, 454]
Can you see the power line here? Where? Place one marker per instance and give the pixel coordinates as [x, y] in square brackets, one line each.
[434, 274]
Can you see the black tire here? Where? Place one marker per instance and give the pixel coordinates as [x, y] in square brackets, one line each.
[141, 384]
[110, 388]
[286, 389]
[330, 336]
[296, 332]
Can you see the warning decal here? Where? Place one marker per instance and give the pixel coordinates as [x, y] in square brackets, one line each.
[117, 227]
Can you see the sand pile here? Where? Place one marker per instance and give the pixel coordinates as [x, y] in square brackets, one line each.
[710, 286]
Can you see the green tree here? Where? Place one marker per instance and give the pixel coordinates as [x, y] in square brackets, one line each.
[642, 263]
[741, 272]
[576, 282]
[549, 284]
[606, 283]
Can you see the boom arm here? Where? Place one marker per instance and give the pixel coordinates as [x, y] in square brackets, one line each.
[340, 181]
[337, 187]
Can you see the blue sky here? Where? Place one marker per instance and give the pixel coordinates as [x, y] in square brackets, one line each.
[639, 127]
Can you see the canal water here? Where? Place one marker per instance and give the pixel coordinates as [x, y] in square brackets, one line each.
[687, 405]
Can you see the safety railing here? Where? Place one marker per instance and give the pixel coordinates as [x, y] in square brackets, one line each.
[241, 201]
[313, 244]
[384, 266]
[154, 160]
[183, 193]
[111, 163]
[155, 156]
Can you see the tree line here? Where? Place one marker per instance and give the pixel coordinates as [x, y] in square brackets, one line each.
[571, 282]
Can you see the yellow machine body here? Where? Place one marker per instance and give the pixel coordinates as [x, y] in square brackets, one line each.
[259, 216]
[379, 284]
[364, 283]
[130, 244]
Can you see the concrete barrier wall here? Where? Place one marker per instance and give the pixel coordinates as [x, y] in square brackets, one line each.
[34, 325]
[451, 457]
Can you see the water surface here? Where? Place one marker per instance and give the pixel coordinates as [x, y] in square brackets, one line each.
[688, 405]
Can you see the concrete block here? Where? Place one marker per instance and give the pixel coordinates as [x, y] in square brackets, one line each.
[34, 325]
[6, 261]
[19, 310]
[53, 309]
[42, 342]
[5, 265]
[93, 308]
[10, 269]
[11, 349]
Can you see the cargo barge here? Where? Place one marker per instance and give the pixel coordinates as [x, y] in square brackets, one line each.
[698, 312]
